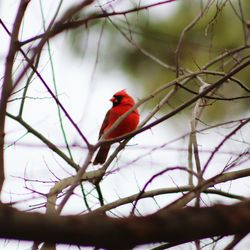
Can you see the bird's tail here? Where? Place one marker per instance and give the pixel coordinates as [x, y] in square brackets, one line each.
[102, 154]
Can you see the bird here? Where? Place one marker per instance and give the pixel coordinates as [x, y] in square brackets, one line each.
[121, 103]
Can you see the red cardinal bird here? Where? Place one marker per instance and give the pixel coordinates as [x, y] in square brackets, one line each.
[122, 102]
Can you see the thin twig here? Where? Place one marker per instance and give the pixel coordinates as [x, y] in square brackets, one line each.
[7, 86]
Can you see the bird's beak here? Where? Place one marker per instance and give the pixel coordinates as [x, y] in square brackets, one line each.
[113, 99]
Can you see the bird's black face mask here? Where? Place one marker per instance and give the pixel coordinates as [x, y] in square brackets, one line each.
[116, 100]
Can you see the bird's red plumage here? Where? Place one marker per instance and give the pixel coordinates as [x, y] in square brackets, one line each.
[122, 102]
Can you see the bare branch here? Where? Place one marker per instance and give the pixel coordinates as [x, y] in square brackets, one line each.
[168, 225]
[7, 82]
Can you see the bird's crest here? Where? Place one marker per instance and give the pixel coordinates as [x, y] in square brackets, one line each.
[121, 92]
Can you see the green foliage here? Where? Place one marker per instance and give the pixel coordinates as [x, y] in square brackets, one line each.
[219, 29]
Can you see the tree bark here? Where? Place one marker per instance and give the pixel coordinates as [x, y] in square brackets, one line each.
[170, 225]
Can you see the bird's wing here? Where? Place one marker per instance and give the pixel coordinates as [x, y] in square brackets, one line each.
[104, 124]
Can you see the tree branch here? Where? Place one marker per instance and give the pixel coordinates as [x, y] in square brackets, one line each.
[7, 82]
[168, 225]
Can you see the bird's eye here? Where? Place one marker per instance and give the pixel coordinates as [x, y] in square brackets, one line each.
[117, 99]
